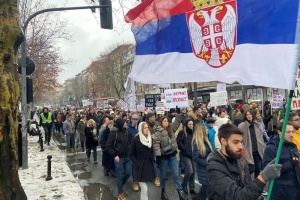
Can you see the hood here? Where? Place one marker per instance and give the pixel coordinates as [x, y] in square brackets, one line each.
[207, 126]
[140, 127]
[274, 140]
[185, 122]
[159, 128]
[119, 123]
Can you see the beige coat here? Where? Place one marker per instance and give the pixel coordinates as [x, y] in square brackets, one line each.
[244, 127]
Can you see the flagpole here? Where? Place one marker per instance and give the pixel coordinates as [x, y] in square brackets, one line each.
[286, 118]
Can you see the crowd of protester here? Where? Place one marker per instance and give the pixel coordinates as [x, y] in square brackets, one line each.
[229, 149]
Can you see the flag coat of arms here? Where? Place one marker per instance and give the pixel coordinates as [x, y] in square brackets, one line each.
[249, 41]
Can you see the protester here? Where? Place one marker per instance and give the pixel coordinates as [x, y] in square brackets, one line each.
[81, 129]
[142, 155]
[150, 119]
[184, 142]
[46, 120]
[209, 124]
[69, 129]
[295, 120]
[253, 142]
[91, 140]
[107, 160]
[201, 149]
[165, 149]
[288, 184]
[118, 146]
[227, 175]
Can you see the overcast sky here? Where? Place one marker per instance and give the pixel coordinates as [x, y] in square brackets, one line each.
[89, 40]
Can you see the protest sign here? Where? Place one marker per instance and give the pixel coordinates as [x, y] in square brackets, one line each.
[296, 96]
[277, 101]
[150, 99]
[218, 98]
[221, 87]
[176, 97]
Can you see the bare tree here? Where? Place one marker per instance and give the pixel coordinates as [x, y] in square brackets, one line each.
[10, 39]
[42, 33]
[113, 67]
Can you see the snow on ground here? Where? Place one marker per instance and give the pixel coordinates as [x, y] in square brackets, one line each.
[63, 185]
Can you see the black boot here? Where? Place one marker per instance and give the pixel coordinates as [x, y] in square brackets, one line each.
[106, 172]
[164, 195]
[180, 194]
[185, 189]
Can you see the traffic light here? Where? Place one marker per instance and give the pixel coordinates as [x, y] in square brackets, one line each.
[29, 90]
[106, 14]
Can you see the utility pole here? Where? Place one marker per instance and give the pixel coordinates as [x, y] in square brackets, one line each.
[106, 22]
[195, 93]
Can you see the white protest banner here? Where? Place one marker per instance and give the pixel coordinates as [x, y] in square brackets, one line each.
[221, 87]
[129, 95]
[218, 98]
[277, 101]
[176, 97]
[296, 96]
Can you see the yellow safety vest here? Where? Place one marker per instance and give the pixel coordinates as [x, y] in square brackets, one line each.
[48, 120]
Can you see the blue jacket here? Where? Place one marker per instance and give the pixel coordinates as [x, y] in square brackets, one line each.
[132, 130]
[289, 174]
[211, 135]
[201, 163]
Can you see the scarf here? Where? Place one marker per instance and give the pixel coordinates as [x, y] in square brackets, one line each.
[145, 141]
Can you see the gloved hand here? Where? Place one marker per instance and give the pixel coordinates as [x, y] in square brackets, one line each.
[271, 171]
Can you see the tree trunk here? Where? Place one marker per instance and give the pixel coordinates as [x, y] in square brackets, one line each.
[10, 39]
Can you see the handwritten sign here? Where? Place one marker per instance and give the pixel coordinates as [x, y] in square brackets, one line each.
[218, 98]
[150, 100]
[221, 87]
[277, 101]
[176, 97]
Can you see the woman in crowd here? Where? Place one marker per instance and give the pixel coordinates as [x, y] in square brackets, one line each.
[165, 149]
[201, 150]
[59, 123]
[184, 142]
[91, 140]
[259, 120]
[107, 159]
[142, 155]
[253, 142]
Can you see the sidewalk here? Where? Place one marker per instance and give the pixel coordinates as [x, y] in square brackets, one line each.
[62, 186]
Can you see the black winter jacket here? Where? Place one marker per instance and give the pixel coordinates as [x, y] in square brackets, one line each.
[104, 137]
[225, 182]
[118, 143]
[143, 159]
[185, 143]
[290, 175]
[201, 163]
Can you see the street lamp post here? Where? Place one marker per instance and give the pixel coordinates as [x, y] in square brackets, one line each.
[24, 66]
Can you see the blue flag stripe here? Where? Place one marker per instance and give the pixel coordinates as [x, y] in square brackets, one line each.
[259, 22]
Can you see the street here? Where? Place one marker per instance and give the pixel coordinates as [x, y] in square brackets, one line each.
[99, 187]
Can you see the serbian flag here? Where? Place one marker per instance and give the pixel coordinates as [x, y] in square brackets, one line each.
[249, 41]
